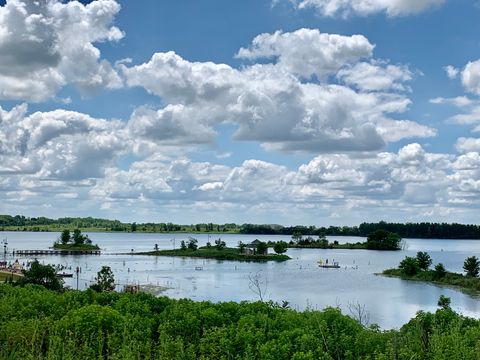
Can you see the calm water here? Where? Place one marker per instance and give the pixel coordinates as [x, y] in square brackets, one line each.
[390, 302]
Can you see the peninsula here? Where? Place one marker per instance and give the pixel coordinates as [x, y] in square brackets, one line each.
[418, 269]
[256, 251]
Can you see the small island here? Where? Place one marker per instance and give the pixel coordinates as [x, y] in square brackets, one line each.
[256, 251]
[75, 242]
[418, 269]
[377, 240]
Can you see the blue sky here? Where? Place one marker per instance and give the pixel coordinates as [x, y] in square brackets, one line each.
[295, 111]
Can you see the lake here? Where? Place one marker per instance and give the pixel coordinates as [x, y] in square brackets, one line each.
[390, 302]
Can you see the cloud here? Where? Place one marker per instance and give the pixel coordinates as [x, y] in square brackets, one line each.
[367, 7]
[278, 101]
[451, 71]
[308, 52]
[376, 76]
[410, 182]
[58, 144]
[172, 125]
[459, 101]
[471, 77]
[45, 45]
[469, 107]
[396, 130]
[386, 179]
[156, 178]
[466, 145]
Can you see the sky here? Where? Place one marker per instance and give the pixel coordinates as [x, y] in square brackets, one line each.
[313, 112]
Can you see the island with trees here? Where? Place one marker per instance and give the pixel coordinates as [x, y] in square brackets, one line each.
[419, 269]
[377, 240]
[256, 251]
[75, 241]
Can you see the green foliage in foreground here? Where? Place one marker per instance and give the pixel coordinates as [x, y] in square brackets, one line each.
[467, 283]
[39, 324]
[214, 253]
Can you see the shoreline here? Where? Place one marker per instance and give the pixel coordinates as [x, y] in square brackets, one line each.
[455, 281]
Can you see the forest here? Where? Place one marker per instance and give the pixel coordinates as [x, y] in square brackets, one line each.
[36, 323]
[424, 230]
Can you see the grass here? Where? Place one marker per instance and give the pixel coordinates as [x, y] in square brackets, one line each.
[213, 253]
[466, 283]
[73, 247]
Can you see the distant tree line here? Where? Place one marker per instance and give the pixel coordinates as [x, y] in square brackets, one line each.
[423, 230]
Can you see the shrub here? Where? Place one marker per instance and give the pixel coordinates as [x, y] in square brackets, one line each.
[439, 271]
[409, 266]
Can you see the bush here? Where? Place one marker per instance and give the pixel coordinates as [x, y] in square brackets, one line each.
[262, 248]
[409, 266]
[220, 244]
[280, 247]
[444, 302]
[192, 244]
[41, 324]
[439, 271]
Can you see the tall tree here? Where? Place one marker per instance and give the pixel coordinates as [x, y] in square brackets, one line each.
[105, 280]
[78, 237]
[44, 275]
[65, 237]
[424, 260]
[472, 266]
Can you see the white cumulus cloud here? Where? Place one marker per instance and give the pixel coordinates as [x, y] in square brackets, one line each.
[45, 45]
[275, 102]
[367, 7]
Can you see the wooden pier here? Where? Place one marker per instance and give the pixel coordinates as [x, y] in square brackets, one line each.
[56, 252]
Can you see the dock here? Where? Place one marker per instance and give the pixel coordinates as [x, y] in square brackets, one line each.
[56, 252]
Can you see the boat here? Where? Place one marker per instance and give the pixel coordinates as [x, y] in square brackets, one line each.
[64, 275]
[329, 266]
[326, 265]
